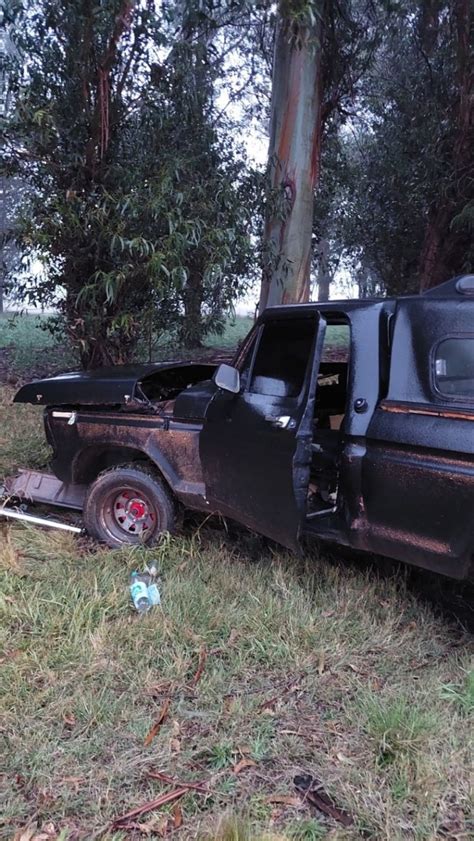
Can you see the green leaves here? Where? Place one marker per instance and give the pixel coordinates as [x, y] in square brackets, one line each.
[139, 211]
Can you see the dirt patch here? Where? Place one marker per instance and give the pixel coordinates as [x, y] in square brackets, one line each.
[42, 366]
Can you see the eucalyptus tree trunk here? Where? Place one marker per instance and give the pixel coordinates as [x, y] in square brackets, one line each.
[192, 329]
[294, 154]
[324, 274]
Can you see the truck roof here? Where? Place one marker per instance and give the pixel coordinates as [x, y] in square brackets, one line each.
[456, 289]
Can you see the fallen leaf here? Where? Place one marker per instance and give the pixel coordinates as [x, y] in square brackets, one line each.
[233, 636]
[157, 826]
[321, 663]
[345, 759]
[284, 799]
[177, 816]
[69, 720]
[201, 664]
[244, 749]
[229, 701]
[25, 834]
[47, 833]
[175, 745]
[244, 763]
[49, 829]
[73, 781]
[163, 714]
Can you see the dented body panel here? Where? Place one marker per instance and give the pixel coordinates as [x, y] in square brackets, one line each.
[370, 445]
[121, 385]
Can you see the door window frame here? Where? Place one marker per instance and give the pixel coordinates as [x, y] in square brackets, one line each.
[258, 329]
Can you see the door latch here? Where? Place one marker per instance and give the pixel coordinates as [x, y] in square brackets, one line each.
[280, 421]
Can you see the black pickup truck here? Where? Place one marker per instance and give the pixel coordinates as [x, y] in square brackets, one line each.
[351, 421]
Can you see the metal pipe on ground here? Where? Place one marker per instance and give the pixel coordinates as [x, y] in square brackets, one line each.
[38, 521]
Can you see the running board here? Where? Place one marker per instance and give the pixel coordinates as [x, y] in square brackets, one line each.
[11, 514]
[35, 486]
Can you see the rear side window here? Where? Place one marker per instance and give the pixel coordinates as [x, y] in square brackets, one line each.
[337, 343]
[282, 357]
[454, 367]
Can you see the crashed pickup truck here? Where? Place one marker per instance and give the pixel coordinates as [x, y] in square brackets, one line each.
[348, 421]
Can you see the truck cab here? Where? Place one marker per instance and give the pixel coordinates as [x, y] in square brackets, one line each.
[349, 421]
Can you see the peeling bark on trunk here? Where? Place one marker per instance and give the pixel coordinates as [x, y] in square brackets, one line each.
[294, 156]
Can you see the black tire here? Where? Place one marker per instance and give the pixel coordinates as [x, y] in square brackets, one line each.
[128, 505]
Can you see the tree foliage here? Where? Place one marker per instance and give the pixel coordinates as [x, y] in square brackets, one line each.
[400, 170]
[136, 206]
[127, 132]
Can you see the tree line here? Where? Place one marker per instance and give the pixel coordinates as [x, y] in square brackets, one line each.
[125, 132]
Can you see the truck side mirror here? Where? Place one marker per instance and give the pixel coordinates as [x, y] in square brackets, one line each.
[227, 378]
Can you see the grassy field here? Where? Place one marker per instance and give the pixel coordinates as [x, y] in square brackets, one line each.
[263, 666]
[27, 349]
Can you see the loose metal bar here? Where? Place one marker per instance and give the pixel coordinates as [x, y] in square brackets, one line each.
[38, 521]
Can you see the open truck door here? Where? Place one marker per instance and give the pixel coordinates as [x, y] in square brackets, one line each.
[255, 445]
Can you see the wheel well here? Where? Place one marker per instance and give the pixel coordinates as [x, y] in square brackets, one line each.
[93, 460]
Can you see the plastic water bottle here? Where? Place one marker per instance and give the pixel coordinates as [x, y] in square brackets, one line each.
[139, 592]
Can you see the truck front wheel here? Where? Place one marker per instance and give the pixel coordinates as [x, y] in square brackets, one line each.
[128, 505]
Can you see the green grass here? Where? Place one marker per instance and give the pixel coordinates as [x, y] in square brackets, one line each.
[29, 350]
[29, 346]
[462, 694]
[397, 726]
[313, 666]
[367, 685]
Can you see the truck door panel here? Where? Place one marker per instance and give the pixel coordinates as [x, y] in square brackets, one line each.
[418, 486]
[418, 472]
[255, 447]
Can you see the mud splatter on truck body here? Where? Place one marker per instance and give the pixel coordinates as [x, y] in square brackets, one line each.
[372, 447]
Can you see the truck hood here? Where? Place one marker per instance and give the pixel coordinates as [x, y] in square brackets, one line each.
[119, 385]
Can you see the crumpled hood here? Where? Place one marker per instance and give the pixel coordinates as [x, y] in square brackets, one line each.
[118, 385]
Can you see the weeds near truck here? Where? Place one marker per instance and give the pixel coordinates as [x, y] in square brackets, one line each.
[462, 694]
[396, 726]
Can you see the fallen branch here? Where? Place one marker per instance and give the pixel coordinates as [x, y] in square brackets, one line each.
[162, 800]
[159, 721]
[201, 664]
[164, 778]
[313, 792]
